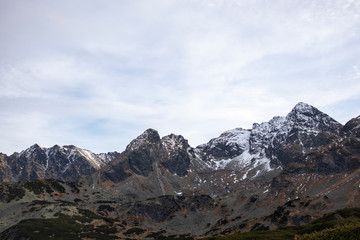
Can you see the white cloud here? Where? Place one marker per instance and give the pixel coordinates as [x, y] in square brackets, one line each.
[96, 74]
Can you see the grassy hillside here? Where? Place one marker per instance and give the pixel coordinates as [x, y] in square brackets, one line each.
[342, 224]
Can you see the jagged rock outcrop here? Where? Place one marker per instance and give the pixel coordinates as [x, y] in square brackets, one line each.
[176, 158]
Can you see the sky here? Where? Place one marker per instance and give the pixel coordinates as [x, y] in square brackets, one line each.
[96, 74]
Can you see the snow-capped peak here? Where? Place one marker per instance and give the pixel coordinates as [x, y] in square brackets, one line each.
[30, 151]
[149, 136]
[306, 117]
[303, 112]
[303, 118]
[302, 107]
[250, 149]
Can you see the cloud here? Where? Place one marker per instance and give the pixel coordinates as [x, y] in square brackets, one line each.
[97, 74]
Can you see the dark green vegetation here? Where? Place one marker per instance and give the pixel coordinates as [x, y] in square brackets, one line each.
[16, 191]
[339, 232]
[11, 192]
[63, 227]
[49, 185]
[342, 224]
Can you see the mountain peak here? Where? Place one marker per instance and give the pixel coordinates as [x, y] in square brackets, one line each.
[35, 146]
[173, 141]
[149, 136]
[32, 149]
[303, 112]
[308, 117]
[178, 138]
[352, 124]
[302, 107]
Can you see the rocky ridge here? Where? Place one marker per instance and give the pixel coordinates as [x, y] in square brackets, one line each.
[65, 163]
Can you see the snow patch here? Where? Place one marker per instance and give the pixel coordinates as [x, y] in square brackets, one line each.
[244, 176]
[246, 161]
[178, 193]
[91, 157]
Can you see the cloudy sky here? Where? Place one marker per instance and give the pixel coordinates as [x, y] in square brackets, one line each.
[98, 73]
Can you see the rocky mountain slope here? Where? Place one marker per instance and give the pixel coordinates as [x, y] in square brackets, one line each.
[65, 163]
[288, 171]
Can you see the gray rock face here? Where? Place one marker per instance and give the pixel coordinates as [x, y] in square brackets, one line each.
[352, 127]
[5, 172]
[176, 157]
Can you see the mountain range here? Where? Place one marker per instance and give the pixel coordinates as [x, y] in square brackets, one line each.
[66, 163]
[285, 172]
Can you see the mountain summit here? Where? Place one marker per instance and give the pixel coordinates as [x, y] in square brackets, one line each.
[150, 136]
[272, 144]
[306, 116]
